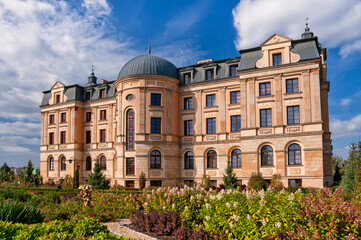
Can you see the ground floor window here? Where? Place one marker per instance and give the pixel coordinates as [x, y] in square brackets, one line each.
[156, 183]
[130, 169]
[268, 182]
[214, 183]
[295, 182]
[188, 182]
[129, 184]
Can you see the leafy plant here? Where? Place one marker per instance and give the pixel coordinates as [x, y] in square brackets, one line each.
[276, 183]
[19, 212]
[142, 181]
[229, 179]
[256, 182]
[97, 178]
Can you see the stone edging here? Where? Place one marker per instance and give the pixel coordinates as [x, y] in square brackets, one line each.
[121, 229]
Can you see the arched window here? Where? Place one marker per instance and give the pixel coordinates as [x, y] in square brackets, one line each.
[130, 130]
[236, 158]
[212, 159]
[294, 154]
[51, 164]
[267, 156]
[88, 163]
[155, 159]
[103, 162]
[188, 160]
[63, 163]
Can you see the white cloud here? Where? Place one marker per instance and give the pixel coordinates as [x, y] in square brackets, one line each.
[336, 23]
[350, 48]
[16, 140]
[345, 101]
[19, 128]
[346, 128]
[15, 149]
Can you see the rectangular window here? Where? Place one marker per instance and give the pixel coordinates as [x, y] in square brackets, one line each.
[187, 78]
[155, 99]
[266, 117]
[235, 123]
[88, 137]
[209, 74]
[293, 115]
[88, 116]
[292, 85]
[188, 103]
[51, 138]
[103, 93]
[88, 95]
[51, 119]
[213, 183]
[62, 137]
[188, 128]
[63, 117]
[155, 125]
[103, 114]
[265, 89]
[129, 184]
[233, 70]
[130, 170]
[211, 125]
[57, 98]
[102, 135]
[211, 100]
[277, 59]
[235, 97]
[294, 182]
[155, 183]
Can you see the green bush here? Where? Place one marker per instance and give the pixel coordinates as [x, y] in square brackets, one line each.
[276, 183]
[256, 182]
[19, 212]
[142, 181]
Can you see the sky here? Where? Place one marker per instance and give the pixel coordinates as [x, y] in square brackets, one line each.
[44, 41]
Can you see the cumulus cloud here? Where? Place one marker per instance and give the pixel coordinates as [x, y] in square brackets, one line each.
[336, 23]
[346, 128]
[345, 101]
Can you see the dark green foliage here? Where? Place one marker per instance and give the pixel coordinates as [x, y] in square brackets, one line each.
[9, 193]
[142, 181]
[348, 180]
[256, 182]
[229, 179]
[29, 173]
[19, 212]
[76, 179]
[5, 173]
[337, 169]
[97, 179]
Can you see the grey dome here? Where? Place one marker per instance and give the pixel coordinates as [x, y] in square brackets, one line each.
[149, 64]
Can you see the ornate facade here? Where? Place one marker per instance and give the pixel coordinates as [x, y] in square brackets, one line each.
[266, 111]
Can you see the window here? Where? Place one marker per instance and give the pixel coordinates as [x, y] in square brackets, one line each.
[102, 135]
[155, 159]
[63, 117]
[188, 128]
[187, 78]
[130, 136]
[155, 99]
[103, 114]
[266, 117]
[291, 85]
[235, 123]
[236, 158]
[294, 182]
[277, 59]
[265, 89]
[211, 125]
[267, 156]
[188, 103]
[88, 137]
[293, 115]
[211, 100]
[62, 137]
[235, 97]
[51, 138]
[103, 162]
[188, 160]
[233, 70]
[212, 159]
[130, 166]
[88, 95]
[88, 163]
[188, 182]
[57, 98]
[129, 184]
[63, 164]
[214, 183]
[294, 154]
[155, 125]
[51, 119]
[51, 164]
[155, 183]
[209, 74]
[88, 116]
[129, 97]
[103, 93]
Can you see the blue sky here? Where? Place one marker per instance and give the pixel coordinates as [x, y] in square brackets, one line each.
[58, 40]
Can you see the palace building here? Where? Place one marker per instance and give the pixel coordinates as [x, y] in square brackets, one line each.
[265, 111]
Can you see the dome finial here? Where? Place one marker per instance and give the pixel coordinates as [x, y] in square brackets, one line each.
[92, 70]
[307, 33]
[307, 29]
[149, 49]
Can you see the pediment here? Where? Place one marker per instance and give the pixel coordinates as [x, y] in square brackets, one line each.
[276, 38]
[57, 85]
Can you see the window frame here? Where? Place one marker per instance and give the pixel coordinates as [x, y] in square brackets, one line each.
[236, 126]
[266, 117]
[155, 125]
[211, 100]
[88, 116]
[130, 166]
[188, 160]
[88, 163]
[51, 119]
[211, 159]
[233, 72]
[290, 85]
[188, 103]
[63, 163]
[88, 136]
[102, 93]
[51, 138]
[155, 159]
[267, 156]
[103, 115]
[63, 117]
[102, 137]
[188, 127]
[103, 162]
[88, 95]
[265, 89]
[294, 153]
[236, 158]
[235, 97]
[130, 130]
[211, 125]
[51, 164]
[187, 78]
[156, 99]
[209, 76]
[278, 60]
[293, 116]
[62, 137]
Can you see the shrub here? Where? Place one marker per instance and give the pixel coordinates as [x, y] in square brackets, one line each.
[229, 179]
[206, 181]
[97, 179]
[142, 181]
[256, 182]
[19, 212]
[276, 183]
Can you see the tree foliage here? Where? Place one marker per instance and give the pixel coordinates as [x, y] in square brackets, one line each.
[348, 181]
[97, 178]
[76, 179]
[337, 169]
[29, 172]
[229, 179]
[256, 182]
[5, 173]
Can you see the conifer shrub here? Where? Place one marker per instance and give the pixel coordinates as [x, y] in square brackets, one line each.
[229, 179]
[256, 182]
[97, 178]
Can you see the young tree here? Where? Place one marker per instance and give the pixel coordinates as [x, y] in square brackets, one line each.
[229, 179]
[97, 179]
[5, 173]
[29, 172]
[76, 179]
[348, 180]
[337, 169]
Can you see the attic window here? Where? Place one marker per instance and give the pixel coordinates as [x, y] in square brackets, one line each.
[209, 74]
[187, 78]
[57, 98]
[102, 93]
[88, 94]
[233, 70]
[277, 59]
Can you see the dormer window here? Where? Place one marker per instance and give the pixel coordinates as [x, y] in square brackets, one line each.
[187, 78]
[57, 98]
[88, 94]
[209, 74]
[277, 59]
[233, 70]
[102, 93]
